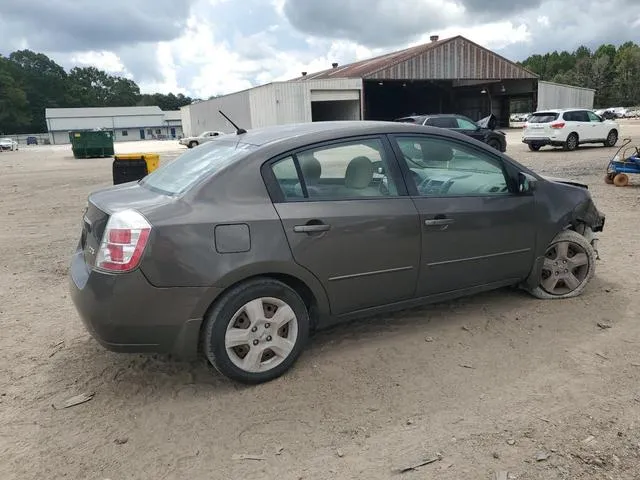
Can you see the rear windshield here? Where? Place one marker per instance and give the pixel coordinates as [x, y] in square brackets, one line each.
[181, 174]
[543, 117]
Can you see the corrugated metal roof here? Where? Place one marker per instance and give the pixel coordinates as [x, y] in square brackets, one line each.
[101, 112]
[447, 59]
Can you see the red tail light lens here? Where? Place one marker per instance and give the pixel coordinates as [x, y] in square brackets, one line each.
[557, 125]
[123, 242]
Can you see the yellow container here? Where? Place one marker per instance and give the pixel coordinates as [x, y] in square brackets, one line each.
[151, 159]
[133, 166]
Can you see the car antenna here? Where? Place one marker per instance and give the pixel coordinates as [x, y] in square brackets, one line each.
[238, 129]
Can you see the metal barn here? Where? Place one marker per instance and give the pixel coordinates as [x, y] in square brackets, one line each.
[453, 75]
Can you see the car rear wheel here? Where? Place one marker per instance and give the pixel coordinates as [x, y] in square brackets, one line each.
[534, 147]
[569, 265]
[256, 331]
[572, 142]
[192, 144]
[612, 139]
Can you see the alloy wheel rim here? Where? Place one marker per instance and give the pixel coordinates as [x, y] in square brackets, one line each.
[565, 268]
[261, 335]
[612, 137]
[572, 142]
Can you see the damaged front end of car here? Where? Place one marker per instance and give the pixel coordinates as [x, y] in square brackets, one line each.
[587, 221]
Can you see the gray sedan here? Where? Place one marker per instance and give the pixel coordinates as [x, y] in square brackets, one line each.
[241, 247]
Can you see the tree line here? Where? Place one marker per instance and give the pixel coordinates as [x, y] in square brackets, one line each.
[614, 72]
[31, 82]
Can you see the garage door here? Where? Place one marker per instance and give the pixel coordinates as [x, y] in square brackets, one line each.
[332, 95]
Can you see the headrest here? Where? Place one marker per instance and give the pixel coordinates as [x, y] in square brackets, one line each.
[311, 168]
[359, 173]
[435, 151]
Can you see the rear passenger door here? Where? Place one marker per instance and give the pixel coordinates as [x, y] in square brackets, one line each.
[348, 220]
[579, 123]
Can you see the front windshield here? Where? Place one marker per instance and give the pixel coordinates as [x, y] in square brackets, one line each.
[192, 166]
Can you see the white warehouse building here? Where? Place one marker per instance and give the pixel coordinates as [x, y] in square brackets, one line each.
[277, 103]
[126, 123]
[453, 75]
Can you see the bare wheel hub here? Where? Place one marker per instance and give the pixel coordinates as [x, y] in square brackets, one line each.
[565, 268]
[261, 334]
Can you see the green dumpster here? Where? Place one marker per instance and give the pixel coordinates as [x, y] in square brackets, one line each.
[91, 143]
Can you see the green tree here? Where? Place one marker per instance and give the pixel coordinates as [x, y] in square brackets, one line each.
[14, 108]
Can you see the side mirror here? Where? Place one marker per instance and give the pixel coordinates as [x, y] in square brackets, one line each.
[526, 183]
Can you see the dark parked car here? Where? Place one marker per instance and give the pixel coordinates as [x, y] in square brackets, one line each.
[244, 245]
[483, 130]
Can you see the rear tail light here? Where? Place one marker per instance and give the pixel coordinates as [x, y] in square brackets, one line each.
[557, 125]
[123, 242]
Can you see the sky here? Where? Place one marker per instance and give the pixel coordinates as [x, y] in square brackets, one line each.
[213, 47]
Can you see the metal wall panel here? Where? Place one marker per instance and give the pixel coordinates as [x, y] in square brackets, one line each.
[272, 104]
[556, 95]
[329, 95]
[262, 104]
[290, 102]
[185, 113]
[204, 116]
[454, 60]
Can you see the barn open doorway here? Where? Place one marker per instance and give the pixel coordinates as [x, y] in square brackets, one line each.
[324, 111]
[391, 99]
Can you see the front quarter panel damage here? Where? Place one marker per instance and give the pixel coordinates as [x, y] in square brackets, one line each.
[563, 206]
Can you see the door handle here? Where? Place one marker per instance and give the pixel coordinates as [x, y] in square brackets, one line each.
[313, 228]
[439, 221]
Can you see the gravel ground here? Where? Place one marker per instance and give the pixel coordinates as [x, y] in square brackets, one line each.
[548, 393]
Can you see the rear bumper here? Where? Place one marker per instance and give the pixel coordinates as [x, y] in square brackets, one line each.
[125, 313]
[542, 141]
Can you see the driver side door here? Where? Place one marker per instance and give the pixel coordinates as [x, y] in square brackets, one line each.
[477, 231]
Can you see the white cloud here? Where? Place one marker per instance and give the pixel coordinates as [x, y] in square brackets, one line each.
[103, 60]
[212, 47]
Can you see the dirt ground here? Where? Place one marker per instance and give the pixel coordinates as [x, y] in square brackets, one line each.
[499, 382]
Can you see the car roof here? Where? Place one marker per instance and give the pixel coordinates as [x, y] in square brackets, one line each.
[302, 133]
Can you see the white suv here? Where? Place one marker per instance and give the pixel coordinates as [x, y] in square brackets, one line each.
[568, 128]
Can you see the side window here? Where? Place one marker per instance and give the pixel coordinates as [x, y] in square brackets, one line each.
[569, 116]
[442, 122]
[581, 116]
[287, 176]
[444, 168]
[357, 169]
[593, 117]
[465, 124]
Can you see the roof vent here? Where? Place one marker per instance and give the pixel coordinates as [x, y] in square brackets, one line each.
[304, 74]
[434, 38]
[334, 65]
